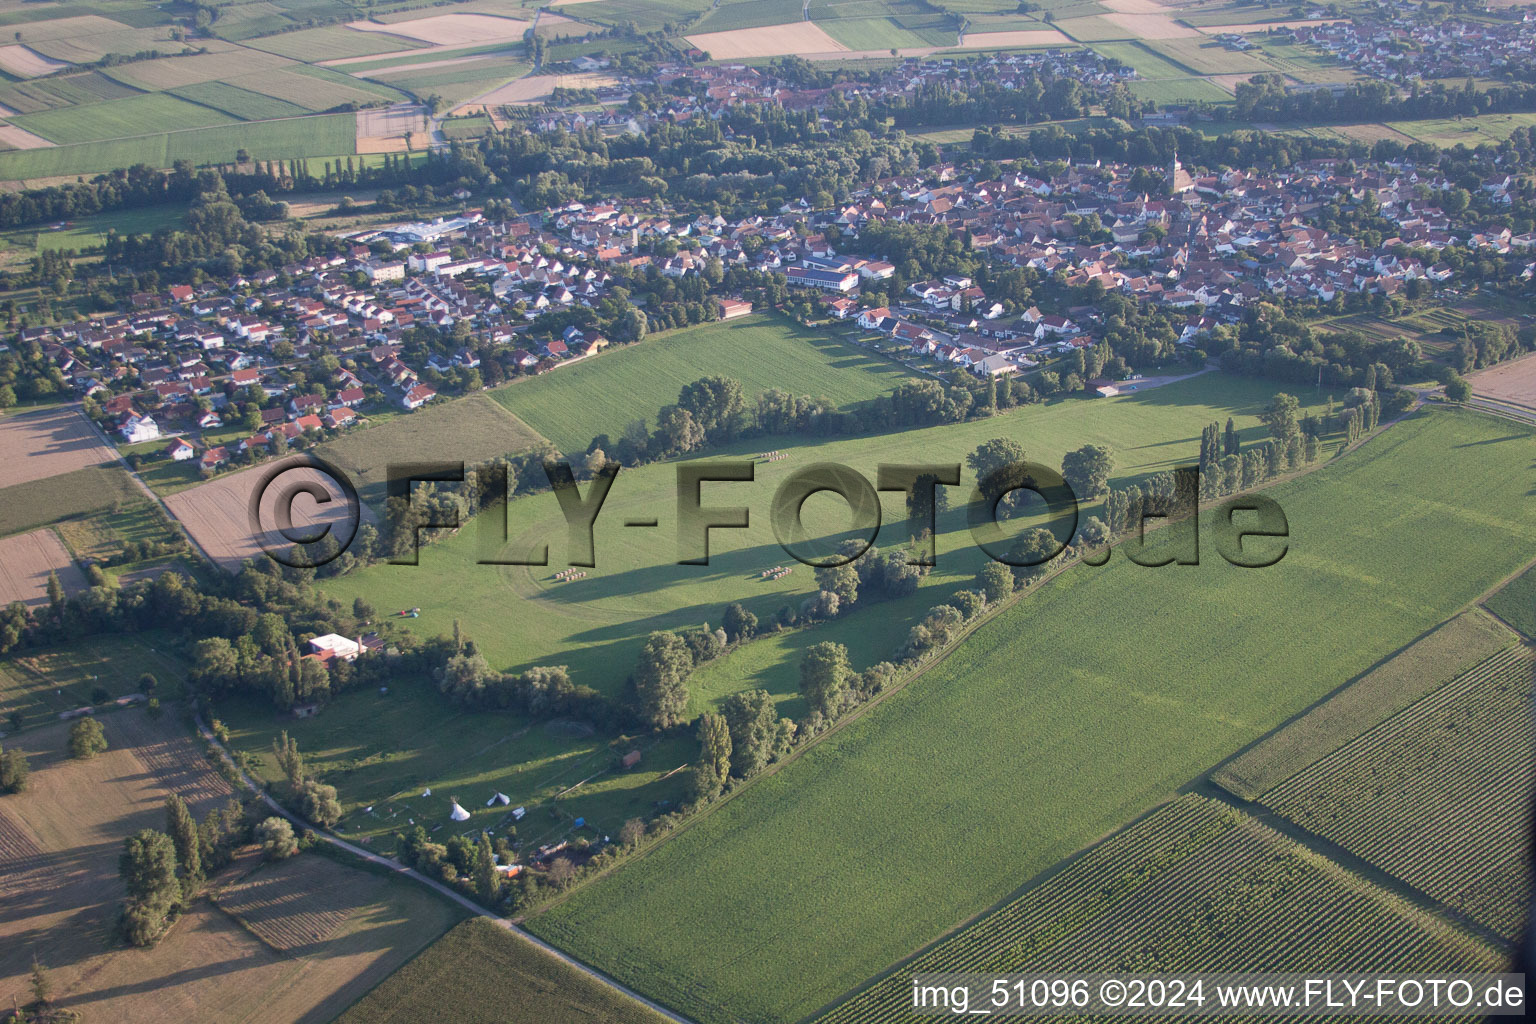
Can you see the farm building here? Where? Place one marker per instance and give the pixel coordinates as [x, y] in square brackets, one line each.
[334, 645]
[730, 309]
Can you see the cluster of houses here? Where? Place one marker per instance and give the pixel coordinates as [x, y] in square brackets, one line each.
[1402, 45]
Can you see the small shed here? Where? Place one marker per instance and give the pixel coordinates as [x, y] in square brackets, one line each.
[630, 759]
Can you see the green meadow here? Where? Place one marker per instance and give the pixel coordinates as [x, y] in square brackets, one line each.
[1077, 709]
[521, 616]
[573, 404]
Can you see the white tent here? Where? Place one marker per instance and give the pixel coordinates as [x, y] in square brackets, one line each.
[499, 799]
[517, 813]
[459, 813]
[427, 791]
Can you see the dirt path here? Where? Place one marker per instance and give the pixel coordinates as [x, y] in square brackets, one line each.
[431, 883]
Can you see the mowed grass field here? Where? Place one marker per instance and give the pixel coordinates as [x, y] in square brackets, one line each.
[43, 682]
[1042, 732]
[514, 980]
[51, 499]
[604, 394]
[1516, 603]
[596, 625]
[470, 430]
[116, 119]
[382, 750]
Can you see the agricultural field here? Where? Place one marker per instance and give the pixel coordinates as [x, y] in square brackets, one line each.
[1509, 383]
[327, 136]
[1516, 603]
[114, 119]
[1449, 650]
[862, 817]
[1204, 57]
[1195, 886]
[106, 534]
[1438, 795]
[59, 843]
[515, 981]
[1185, 90]
[44, 682]
[383, 751]
[330, 43]
[47, 442]
[602, 395]
[242, 104]
[27, 560]
[1092, 29]
[1470, 132]
[91, 232]
[799, 37]
[469, 430]
[34, 503]
[217, 514]
[648, 15]
[884, 33]
[596, 625]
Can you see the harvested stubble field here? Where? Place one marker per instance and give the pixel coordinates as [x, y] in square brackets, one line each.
[1438, 795]
[217, 513]
[800, 37]
[1513, 382]
[451, 29]
[25, 562]
[59, 888]
[514, 980]
[1449, 650]
[1079, 744]
[1196, 886]
[47, 442]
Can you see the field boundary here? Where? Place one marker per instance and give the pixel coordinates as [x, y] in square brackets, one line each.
[394, 867]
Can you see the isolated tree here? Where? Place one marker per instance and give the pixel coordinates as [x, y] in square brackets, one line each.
[86, 739]
[318, 803]
[824, 676]
[1086, 470]
[289, 760]
[275, 837]
[148, 869]
[487, 879]
[41, 985]
[1458, 390]
[13, 771]
[631, 832]
[561, 871]
[182, 829]
[55, 591]
[661, 679]
[842, 580]
[749, 716]
[147, 684]
[739, 624]
[1030, 554]
[926, 501]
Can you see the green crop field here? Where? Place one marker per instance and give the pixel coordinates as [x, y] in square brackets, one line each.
[238, 102]
[116, 119]
[884, 33]
[1041, 733]
[466, 127]
[1148, 65]
[1470, 132]
[102, 535]
[1195, 886]
[470, 430]
[42, 682]
[456, 83]
[1434, 794]
[1092, 29]
[35, 503]
[648, 15]
[321, 136]
[1516, 603]
[515, 980]
[738, 14]
[1443, 654]
[573, 404]
[596, 625]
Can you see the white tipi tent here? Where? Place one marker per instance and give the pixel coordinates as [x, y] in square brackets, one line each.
[459, 813]
[499, 798]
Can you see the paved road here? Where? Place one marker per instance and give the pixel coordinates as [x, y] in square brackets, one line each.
[431, 883]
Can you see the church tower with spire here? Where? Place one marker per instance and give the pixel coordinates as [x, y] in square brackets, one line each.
[1179, 180]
